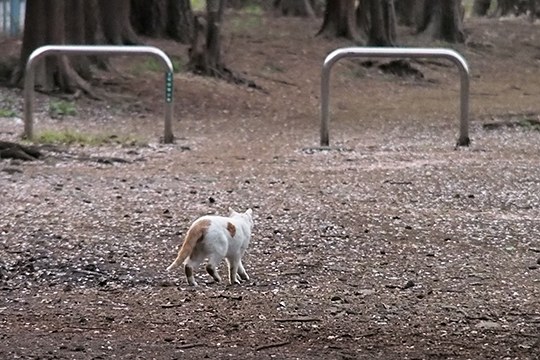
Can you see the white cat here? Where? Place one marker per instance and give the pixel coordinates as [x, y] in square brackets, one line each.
[214, 238]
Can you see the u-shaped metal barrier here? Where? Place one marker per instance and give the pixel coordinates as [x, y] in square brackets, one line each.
[43, 51]
[370, 52]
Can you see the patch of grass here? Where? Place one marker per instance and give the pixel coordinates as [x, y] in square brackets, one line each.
[253, 9]
[529, 124]
[60, 108]
[273, 68]
[7, 113]
[250, 18]
[242, 25]
[69, 137]
[198, 5]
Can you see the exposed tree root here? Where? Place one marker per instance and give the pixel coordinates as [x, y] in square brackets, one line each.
[11, 150]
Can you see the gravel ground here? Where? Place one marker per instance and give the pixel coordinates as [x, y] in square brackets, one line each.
[391, 245]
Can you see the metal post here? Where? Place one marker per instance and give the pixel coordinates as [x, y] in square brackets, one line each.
[43, 51]
[369, 52]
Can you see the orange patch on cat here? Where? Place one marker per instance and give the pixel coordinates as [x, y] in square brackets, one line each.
[199, 229]
[231, 229]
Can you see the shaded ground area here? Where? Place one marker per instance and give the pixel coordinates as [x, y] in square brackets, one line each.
[392, 245]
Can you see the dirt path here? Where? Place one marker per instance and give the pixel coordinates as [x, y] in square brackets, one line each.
[395, 246]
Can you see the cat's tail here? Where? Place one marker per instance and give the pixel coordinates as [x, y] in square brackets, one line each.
[196, 233]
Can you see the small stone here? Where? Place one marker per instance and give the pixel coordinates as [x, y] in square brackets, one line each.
[487, 325]
[365, 292]
[408, 285]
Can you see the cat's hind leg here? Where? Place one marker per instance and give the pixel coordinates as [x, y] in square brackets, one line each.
[192, 263]
[211, 267]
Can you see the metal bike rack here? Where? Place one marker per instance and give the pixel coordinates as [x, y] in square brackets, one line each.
[43, 51]
[370, 52]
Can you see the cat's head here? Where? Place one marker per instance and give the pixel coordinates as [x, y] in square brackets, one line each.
[248, 215]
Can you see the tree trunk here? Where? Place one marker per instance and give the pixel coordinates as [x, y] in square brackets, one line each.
[505, 7]
[39, 31]
[405, 10]
[481, 7]
[116, 24]
[301, 8]
[149, 17]
[205, 51]
[442, 20]
[181, 22]
[339, 20]
[75, 30]
[49, 22]
[237, 4]
[382, 30]
[363, 17]
[160, 18]
[532, 10]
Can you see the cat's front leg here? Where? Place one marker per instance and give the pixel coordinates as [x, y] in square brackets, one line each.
[233, 273]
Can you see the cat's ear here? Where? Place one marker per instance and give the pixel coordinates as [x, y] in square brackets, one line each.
[231, 212]
[249, 212]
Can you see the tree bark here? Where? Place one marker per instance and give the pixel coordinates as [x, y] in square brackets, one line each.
[442, 20]
[116, 24]
[382, 29]
[54, 22]
[339, 20]
[205, 51]
[302, 8]
[163, 18]
[405, 11]
[504, 7]
[532, 10]
[181, 22]
[149, 17]
[481, 7]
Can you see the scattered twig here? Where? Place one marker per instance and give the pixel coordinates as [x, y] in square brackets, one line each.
[273, 345]
[298, 319]
[189, 346]
[76, 329]
[394, 182]
[169, 305]
[229, 297]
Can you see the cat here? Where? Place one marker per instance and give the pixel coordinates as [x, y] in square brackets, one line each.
[215, 237]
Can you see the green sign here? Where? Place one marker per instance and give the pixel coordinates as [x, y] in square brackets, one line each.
[169, 85]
